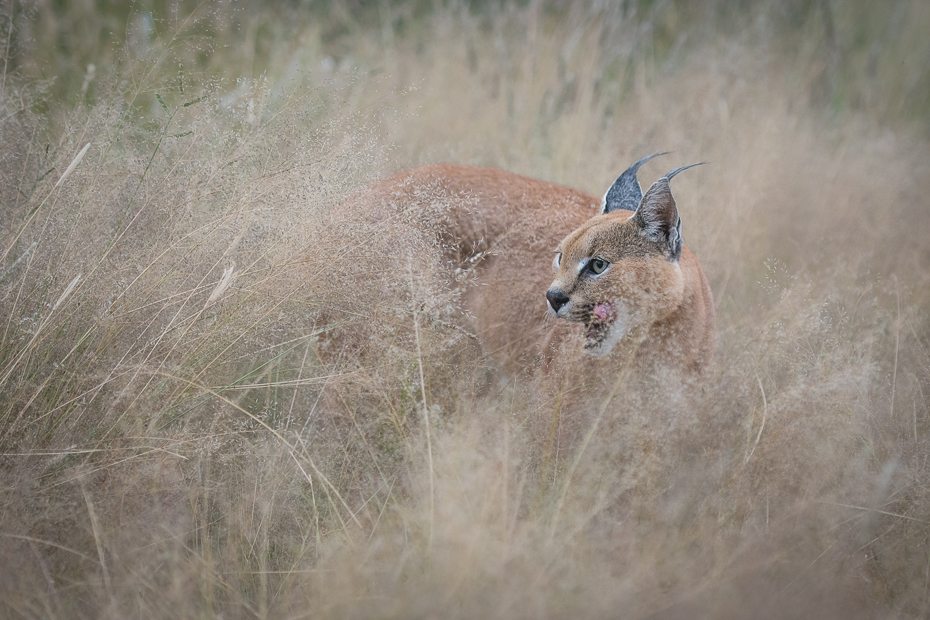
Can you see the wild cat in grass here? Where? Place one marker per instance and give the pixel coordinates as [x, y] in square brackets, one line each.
[629, 288]
[635, 302]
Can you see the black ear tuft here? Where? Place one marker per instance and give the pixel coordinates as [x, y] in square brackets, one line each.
[682, 169]
[657, 215]
[626, 192]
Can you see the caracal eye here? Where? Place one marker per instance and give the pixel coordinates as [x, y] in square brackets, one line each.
[598, 265]
[557, 260]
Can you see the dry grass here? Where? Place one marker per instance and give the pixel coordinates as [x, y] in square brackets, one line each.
[181, 435]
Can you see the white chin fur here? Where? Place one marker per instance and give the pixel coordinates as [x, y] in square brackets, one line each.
[615, 333]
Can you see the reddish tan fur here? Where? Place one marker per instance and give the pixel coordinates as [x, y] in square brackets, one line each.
[504, 228]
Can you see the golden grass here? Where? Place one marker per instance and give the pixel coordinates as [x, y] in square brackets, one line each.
[181, 436]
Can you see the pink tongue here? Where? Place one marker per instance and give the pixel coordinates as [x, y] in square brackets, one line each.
[603, 311]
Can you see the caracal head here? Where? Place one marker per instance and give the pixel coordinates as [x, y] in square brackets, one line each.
[619, 271]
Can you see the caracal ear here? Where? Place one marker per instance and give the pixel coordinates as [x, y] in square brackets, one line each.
[657, 215]
[626, 192]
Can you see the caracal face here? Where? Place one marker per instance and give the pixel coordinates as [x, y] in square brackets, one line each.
[613, 280]
[620, 271]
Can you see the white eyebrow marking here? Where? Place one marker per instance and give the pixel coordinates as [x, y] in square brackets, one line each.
[582, 263]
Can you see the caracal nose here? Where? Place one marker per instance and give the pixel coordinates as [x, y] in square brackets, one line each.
[556, 298]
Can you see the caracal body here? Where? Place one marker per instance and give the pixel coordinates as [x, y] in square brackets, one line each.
[648, 309]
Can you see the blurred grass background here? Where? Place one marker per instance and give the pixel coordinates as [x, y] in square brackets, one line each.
[853, 56]
[177, 440]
